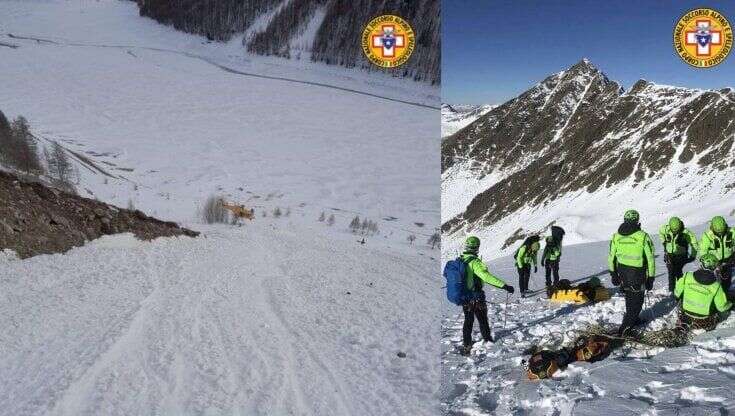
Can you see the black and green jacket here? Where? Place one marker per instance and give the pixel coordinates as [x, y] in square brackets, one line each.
[552, 250]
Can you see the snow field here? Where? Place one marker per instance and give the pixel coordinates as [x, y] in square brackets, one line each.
[220, 324]
[160, 113]
[693, 379]
[279, 316]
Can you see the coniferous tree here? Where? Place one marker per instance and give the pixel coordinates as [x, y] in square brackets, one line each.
[60, 167]
[23, 149]
[355, 224]
[6, 140]
[434, 240]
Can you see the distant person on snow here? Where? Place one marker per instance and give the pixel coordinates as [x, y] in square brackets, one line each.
[680, 248]
[525, 256]
[476, 274]
[702, 298]
[718, 241]
[551, 256]
[632, 267]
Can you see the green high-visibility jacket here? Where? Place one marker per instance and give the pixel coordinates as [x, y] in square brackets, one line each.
[552, 251]
[526, 256]
[701, 299]
[720, 246]
[476, 268]
[682, 243]
[633, 250]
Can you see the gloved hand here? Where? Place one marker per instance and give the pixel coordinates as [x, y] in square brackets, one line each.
[649, 284]
[509, 289]
[615, 278]
[543, 263]
[535, 268]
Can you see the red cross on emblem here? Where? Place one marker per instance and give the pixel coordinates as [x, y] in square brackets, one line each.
[715, 37]
[388, 51]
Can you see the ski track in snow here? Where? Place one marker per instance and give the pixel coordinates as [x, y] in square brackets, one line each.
[692, 380]
[217, 325]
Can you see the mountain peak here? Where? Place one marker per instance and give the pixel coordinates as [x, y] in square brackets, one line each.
[639, 86]
[583, 66]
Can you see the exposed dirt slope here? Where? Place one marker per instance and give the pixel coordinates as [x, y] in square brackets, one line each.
[36, 219]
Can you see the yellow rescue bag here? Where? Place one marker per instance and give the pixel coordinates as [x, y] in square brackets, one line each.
[580, 296]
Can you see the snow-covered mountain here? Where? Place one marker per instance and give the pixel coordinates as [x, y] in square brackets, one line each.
[457, 116]
[281, 316]
[577, 150]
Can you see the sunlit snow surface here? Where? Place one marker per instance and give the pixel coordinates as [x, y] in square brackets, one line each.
[280, 316]
[691, 380]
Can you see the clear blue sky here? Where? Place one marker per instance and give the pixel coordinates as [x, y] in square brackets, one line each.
[493, 50]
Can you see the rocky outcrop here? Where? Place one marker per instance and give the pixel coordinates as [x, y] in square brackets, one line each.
[36, 219]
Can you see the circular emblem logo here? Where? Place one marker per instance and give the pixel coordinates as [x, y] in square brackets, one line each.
[703, 38]
[388, 41]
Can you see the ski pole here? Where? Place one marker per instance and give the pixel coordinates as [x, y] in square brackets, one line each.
[505, 315]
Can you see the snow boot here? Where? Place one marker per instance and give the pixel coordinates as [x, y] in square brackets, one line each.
[465, 350]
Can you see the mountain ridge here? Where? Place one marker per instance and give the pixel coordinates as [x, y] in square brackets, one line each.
[578, 131]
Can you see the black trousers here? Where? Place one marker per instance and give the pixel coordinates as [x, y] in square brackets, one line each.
[633, 285]
[675, 266]
[524, 275]
[471, 310]
[726, 277]
[552, 266]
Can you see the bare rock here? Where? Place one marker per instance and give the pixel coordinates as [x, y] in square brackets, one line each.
[35, 219]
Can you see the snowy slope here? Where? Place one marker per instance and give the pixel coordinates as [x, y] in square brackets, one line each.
[691, 380]
[253, 320]
[455, 117]
[222, 324]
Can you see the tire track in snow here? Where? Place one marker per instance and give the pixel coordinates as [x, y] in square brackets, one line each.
[229, 69]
